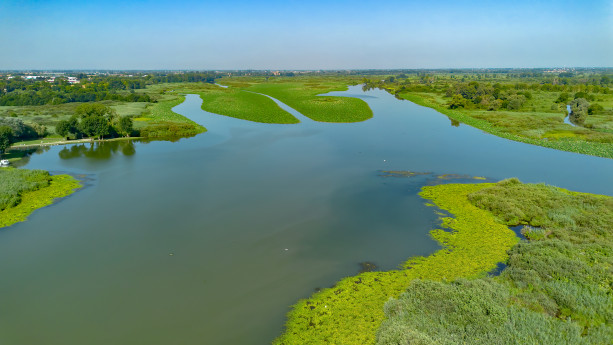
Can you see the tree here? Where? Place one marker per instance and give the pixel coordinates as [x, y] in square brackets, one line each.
[458, 102]
[562, 98]
[125, 126]
[65, 127]
[95, 126]
[94, 109]
[516, 102]
[20, 129]
[41, 130]
[6, 138]
[579, 110]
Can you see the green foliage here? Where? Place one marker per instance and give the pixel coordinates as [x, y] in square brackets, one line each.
[556, 288]
[66, 127]
[526, 107]
[163, 123]
[6, 138]
[351, 312]
[94, 126]
[458, 101]
[20, 129]
[563, 98]
[23, 191]
[14, 182]
[125, 126]
[599, 144]
[579, 107]
[86, 110]
[468, 312]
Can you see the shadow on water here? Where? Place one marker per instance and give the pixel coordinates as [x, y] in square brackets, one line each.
[98, 150]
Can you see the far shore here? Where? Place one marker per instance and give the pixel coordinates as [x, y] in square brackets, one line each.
[64, 142]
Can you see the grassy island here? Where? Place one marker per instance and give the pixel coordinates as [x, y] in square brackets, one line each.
[556, 287]
[23, 191]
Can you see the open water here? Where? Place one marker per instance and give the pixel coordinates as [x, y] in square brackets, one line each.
[210, 239]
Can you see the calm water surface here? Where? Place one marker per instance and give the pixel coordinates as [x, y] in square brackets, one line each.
[210, 239]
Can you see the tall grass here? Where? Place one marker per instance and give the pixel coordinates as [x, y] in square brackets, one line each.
[23, 191]
[556, 288]
[15, 182]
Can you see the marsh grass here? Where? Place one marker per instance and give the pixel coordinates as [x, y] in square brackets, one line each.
[160, 122]
[24, 191]
[303, 97]
[518, 127]
[244, 105]
[556, 288]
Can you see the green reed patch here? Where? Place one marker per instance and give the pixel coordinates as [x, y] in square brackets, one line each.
[161, 122]
[23, 191]
[556, 288]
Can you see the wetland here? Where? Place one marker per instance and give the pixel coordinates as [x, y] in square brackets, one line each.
[210, 239]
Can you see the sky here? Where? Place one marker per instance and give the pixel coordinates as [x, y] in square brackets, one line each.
[299, 35]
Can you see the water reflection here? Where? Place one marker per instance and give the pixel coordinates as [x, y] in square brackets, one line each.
[98, 150]
[24, 154]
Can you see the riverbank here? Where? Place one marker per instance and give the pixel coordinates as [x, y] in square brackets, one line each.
[555, 287]
[564, 140]
[23, 199]
[473, 243]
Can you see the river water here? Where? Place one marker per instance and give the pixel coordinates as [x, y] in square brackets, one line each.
[210, 239]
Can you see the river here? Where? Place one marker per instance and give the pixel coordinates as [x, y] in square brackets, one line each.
[210, 239]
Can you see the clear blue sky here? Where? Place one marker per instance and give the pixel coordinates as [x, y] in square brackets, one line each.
[305, 34]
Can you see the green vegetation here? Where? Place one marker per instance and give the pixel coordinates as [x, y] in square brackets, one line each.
[240, 104]
[162, 123]
[529, 106]
[40, 104]
[352, 311]
[556, 289]
[302, 95]
[21, 90]
[245, 105]
[23, 191]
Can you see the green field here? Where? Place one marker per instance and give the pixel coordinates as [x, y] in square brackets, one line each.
[24, 191]
[302, 95]
[243, 105]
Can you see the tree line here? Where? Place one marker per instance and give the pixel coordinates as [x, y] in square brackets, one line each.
[18, 91]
